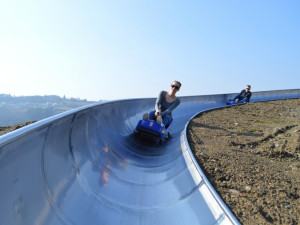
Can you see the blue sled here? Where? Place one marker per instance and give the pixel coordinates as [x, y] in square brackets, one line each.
[149, 129]
[231, 102]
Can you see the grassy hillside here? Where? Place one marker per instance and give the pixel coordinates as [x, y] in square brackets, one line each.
[17, 110]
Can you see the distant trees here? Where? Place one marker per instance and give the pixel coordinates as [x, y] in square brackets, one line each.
[16, 110]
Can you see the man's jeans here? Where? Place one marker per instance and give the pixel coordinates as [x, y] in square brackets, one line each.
[240, 100]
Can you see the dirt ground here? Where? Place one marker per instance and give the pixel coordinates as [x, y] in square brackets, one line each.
[250, 153]
[4, 130]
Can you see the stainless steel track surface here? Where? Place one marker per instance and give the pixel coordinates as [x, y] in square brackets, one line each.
[85, 167]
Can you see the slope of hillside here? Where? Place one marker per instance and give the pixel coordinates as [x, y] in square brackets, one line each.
[250, 153]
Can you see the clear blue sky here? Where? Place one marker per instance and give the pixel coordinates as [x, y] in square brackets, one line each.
[133, 49]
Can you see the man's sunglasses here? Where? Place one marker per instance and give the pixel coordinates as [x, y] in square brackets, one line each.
[174, 86]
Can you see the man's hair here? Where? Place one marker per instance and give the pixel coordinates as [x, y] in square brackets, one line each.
[248, 85]
[177, 82]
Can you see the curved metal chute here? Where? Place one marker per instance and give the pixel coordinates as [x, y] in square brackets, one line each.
[85, 167]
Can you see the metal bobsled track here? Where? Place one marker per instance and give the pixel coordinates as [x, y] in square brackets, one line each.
[85, 167]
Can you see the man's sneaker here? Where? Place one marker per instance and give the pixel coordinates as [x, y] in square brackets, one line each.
[159, 120]
[146, 116]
